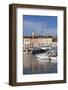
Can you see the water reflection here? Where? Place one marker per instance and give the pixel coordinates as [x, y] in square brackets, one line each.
[33, 65]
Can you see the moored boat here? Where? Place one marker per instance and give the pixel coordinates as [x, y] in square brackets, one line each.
[38, 51]
[42, 56]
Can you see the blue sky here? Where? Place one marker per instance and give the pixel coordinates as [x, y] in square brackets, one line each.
[41, 25]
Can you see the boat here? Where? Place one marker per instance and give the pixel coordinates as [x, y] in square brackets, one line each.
[42, 56]
[49, 55]
[38, 51]
[52, 52]
[45, 47]
[53, 55]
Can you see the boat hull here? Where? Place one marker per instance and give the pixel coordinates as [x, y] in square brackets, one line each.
[38, 51]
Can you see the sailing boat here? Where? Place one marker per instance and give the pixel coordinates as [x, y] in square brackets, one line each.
[42, 49]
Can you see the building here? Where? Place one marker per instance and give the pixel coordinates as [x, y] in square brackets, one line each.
[54, 42]
[36, 41]
[26, 42]
[46, 41]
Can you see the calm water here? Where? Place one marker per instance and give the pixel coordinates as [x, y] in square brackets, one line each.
[32, 65]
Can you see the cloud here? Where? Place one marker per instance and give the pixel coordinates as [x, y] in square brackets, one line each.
[33, 26]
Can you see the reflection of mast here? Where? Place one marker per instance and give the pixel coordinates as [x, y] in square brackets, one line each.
[44, 26]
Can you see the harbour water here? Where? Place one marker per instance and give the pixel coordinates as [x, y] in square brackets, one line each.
[33, 65]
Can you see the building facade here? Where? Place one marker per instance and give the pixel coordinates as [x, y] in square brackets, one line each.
[29, 42]
[26, 42]
[46, 41]
[37, 41]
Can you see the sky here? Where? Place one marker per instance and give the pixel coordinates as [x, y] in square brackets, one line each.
[41, 25]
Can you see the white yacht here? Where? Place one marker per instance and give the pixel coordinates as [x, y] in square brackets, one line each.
[45, 47]
[42, 56]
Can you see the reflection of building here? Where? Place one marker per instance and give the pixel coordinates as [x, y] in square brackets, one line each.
[37, 41]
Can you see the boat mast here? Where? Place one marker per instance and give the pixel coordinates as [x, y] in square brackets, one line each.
[44, 27]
